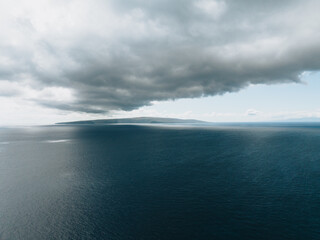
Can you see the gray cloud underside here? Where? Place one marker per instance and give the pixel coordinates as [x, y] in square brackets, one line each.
[127, 54]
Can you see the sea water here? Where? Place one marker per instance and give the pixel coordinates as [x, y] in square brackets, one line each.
[160, 182]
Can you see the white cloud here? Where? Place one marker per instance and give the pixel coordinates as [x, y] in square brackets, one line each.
[212, 8]
[252, 112]
[100, 56]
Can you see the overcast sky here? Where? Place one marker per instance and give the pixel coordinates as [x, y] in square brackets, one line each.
[232, 60]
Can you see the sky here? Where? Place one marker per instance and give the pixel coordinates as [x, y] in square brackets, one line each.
[214, 60]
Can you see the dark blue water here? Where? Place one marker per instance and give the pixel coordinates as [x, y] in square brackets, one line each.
[144, 182]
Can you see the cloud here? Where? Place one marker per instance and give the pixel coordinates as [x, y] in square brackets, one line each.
[8, 89]
[252, 112]
[212, 8]
[121, 55]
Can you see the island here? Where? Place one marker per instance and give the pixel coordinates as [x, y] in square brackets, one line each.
[137, 120]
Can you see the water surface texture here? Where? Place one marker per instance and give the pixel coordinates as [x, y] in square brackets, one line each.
[144, 182]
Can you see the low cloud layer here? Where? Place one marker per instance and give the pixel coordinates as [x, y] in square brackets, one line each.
[121, 55]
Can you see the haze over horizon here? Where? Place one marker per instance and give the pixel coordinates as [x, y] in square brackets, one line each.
[212, 60]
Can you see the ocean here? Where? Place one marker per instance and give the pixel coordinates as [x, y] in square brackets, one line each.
[144, 182]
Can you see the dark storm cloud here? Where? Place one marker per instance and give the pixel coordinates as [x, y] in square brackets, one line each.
[129, 53]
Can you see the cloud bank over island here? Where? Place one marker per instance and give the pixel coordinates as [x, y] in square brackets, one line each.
[98, 56]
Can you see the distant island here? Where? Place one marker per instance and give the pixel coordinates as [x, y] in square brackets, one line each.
[137, 120]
